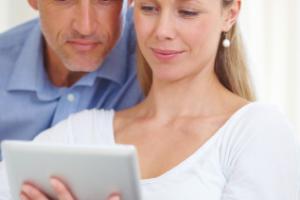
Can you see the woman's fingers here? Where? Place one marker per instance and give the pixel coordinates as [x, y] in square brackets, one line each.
[62, 192]
[29, 192]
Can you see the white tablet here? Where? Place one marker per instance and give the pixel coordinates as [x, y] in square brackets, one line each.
[91, 172]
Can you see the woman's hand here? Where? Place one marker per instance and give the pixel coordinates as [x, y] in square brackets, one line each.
[31, 192]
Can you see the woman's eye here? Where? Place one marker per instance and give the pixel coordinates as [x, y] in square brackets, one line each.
[61, 1]
[148, 9]
[105, 1]
[188, 13]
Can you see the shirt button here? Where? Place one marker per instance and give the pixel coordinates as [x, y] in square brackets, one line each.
[71, 97]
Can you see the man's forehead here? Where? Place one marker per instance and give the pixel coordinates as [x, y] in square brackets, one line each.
[84, 1]
[123, 2]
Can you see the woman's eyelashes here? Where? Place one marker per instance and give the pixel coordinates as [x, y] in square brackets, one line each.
[154, 9]
[107, 2]
[188, 13]
[149, 9]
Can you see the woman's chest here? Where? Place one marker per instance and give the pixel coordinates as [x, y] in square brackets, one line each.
[198, 177]
[162, 148]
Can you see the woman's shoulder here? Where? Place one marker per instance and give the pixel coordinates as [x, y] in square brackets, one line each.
[78, 127]
[125, 117]
[258, 114]
[256, 146]
[256, 127]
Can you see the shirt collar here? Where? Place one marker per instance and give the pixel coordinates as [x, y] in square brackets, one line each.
[27, 67]
[29, 72]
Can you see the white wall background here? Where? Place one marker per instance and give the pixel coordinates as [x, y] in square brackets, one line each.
[271, 30]
[13, 12]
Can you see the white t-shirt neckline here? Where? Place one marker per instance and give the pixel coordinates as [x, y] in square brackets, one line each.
[196, 154]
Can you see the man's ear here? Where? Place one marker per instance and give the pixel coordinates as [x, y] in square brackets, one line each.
[33, 4]
[231, 15]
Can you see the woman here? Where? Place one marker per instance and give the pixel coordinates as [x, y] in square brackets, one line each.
[201, 137]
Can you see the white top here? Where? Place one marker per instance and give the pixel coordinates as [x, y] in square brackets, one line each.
[253, 156]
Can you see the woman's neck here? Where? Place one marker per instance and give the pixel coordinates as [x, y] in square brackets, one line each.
[197, 96]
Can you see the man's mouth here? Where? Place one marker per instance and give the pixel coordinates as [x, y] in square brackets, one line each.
[83, 44]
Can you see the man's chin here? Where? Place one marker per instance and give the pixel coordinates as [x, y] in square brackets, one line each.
[84, 67]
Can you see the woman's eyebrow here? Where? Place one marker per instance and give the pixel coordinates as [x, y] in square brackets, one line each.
[193, 1]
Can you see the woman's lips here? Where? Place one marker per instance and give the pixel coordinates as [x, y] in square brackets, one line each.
[166, 54]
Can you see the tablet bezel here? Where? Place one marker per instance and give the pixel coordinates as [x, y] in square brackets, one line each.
[77, 165]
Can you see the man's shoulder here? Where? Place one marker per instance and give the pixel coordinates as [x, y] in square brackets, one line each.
[11, 45]
[17, 35]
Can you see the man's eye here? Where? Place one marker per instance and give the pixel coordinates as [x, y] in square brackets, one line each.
[188, 13]
[63, 2]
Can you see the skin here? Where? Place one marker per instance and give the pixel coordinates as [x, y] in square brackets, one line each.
[186, 104]
[29, 191]
[78, 35]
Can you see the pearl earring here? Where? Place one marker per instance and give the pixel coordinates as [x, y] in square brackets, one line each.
[226, 42]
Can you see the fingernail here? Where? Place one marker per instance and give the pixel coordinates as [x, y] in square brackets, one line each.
[115, 197]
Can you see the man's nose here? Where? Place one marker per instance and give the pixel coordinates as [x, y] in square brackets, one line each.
[85, 20]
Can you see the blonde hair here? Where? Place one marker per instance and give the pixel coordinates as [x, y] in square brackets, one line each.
[230, 65]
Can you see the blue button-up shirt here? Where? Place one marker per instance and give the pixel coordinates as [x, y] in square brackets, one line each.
[30, 103]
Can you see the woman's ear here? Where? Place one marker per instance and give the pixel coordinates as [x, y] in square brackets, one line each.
[33, 4]
[231, 15]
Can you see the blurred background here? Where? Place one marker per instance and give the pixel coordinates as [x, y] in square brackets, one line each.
[271, 32]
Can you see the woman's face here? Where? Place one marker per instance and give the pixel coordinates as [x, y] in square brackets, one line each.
[179, 38]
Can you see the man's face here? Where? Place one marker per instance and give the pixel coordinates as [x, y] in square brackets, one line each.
[79, 33]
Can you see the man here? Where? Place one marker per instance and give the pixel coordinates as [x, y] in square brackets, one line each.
[77, 55]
